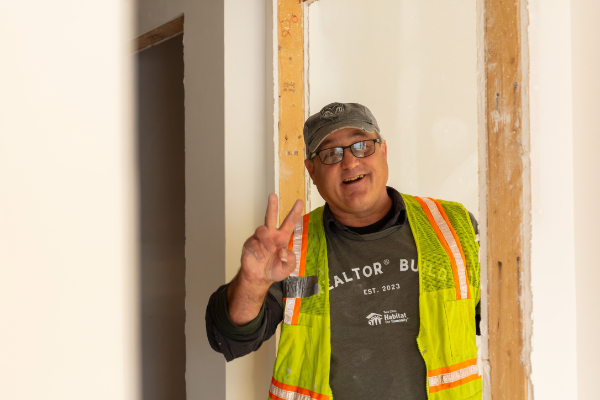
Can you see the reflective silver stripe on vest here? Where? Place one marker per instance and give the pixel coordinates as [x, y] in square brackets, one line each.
[300, 286]
[297, 245]
[453, 376]
[288, 312]
[460, 264]
[284, 394]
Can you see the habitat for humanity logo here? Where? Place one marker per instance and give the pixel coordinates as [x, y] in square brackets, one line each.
[374, 319]
[394, 316]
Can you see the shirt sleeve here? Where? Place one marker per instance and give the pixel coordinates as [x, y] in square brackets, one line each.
[233, 341]
[478, 307]
[474, 223]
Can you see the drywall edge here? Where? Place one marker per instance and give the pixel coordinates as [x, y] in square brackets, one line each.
[526, 290]
[483, 344]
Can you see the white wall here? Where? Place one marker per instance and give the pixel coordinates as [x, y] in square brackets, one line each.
[68, 248]
[228, 102]
[552, 242]
[248, 162]
[564, 43]
[414, 65]
[585, 64]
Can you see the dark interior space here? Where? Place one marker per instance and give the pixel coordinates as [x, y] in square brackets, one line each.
[161, 163]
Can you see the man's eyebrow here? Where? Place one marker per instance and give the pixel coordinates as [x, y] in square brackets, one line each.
[328, 141]
[360, 133]
[324, 143]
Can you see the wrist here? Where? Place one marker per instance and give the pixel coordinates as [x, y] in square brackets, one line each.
[247, 290]
[252, 283]
[245, 299]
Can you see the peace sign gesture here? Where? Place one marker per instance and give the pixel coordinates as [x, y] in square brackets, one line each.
[265, 260]
[265, 257]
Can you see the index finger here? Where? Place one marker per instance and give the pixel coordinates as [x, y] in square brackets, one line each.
[292, 218]
[271, 215]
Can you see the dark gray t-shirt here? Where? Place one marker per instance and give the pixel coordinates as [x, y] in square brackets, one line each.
[374, 297]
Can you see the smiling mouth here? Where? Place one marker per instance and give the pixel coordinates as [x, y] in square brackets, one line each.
[353, 179]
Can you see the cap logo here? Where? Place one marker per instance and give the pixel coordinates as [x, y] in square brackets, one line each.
[332, 110]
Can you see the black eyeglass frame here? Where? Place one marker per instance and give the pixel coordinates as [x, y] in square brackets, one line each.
[344, 148]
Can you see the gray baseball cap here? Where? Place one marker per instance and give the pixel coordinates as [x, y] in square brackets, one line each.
[334, 117]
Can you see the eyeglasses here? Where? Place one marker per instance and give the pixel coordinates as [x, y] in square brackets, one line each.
[334, 155]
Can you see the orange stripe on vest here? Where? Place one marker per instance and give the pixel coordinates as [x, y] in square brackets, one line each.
[291, 390]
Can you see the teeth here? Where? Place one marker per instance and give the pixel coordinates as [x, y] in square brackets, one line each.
[353, 179]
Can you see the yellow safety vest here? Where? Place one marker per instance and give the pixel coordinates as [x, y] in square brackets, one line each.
[448, 293]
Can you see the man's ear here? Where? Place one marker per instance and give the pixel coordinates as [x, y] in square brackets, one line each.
[310, 167]
[384, 148]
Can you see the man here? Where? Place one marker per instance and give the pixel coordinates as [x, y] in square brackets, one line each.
[377, 290]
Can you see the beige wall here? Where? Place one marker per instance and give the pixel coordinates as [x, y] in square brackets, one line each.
[585, 64]
[414, 64]
[564, 85]
[248, 162]
[68, 249]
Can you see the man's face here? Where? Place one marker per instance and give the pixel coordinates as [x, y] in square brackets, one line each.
[337, 184]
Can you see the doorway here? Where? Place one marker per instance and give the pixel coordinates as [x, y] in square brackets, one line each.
[161, 168]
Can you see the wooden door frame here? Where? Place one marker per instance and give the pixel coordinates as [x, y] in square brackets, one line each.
[158, 35]
[504, 142]
[504, 176]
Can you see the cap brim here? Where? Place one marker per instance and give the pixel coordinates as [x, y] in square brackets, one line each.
[329, 129]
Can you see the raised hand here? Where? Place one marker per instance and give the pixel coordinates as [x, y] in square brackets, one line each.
[265, 259]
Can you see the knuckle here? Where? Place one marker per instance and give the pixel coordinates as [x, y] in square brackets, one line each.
[246, 256]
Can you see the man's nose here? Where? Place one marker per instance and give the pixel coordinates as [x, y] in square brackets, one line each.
[349, 161]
